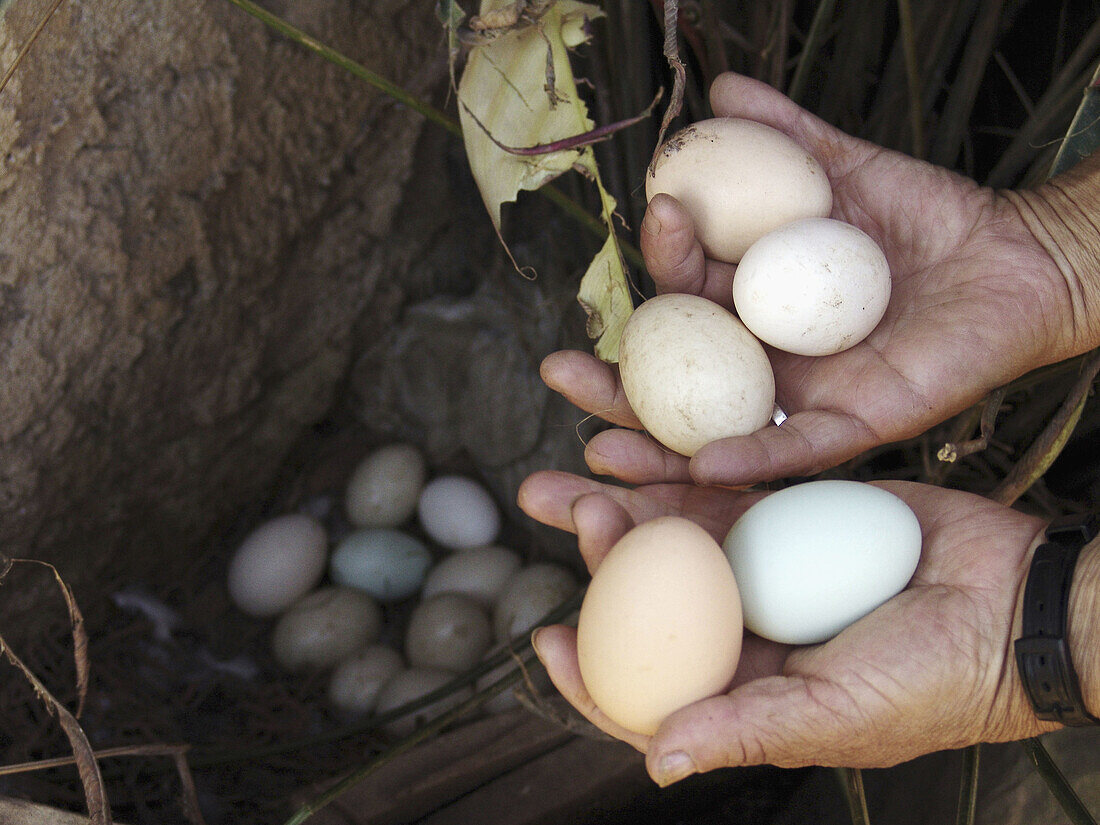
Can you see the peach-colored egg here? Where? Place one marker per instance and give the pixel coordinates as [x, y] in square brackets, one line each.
[660, 627]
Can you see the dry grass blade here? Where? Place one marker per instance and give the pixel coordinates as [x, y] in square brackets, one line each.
[814, 40]
[964, 91]
[80, 635]
[26, 47]
[679, 72]
[95, 792]
[912, 76]
[1048, 446]
[1083, 137]
[1053, 106]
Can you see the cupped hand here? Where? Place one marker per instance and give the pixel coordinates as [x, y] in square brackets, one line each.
[976, 302]
[930, 669]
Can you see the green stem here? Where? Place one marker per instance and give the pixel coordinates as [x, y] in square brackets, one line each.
[968, 787]
[851, 781]
[430, 112]
[1059, 786]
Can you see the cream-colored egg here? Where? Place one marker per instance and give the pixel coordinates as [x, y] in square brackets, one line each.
[528, 596]
[814, 558]
[693, 373]
[324, 627]
[384, 488]
[739, 179]
[449, 631]
[458, 513]
[660, 627]
[357, 681]
[479, 572]
[277, 563]
[812, 287]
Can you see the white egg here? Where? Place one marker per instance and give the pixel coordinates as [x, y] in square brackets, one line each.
[409, 685]
[480, 572]
[324, 627]
[277, 563]
[812, 287]
[458, 513]
[449, 631]
[384, 488]
[813, 558]
[357, 681]
[693, 373]
[529, 595]
[739, 179]
[388, 564]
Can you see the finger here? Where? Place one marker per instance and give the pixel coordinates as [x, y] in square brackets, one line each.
[590, 384]
[548, 496]
[779, 720]
[734, 95]
[674, 258]
[806, 443]
[635, 458]
[556, 647]
[600, 521]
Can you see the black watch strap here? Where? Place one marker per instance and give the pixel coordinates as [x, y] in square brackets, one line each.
[1042, 651]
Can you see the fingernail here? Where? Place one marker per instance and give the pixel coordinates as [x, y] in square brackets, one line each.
[673, 767]
[651, 223]
[535, 641]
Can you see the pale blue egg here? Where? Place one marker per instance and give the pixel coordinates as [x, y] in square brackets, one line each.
[388, 564]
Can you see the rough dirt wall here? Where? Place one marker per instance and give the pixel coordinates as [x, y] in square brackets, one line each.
[190, 215]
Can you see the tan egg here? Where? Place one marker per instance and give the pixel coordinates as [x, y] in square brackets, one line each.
[693, 373]
[277, 563]
[407, 686]
[355, 682]
[660, 627]
[739, 179]
[449, 631]
[324, 627]
[528, 596]
[479, 572]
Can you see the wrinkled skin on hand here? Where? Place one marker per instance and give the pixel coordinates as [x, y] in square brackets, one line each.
[930, 669]
[977, 301]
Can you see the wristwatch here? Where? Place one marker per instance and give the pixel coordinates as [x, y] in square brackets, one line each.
[1042, 651]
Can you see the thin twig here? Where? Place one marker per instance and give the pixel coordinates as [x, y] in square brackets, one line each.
[679, 72]
[585, 139]
[1047, 447]
[26, 47]
[952, 451]
[851, 782]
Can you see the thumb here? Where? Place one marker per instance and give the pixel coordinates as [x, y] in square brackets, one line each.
[787, 721]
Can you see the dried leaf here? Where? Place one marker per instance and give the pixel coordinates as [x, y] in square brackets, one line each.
[95, 792]
[518, 90]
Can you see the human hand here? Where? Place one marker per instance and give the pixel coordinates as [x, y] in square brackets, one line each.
[977, 301]
[930, 669]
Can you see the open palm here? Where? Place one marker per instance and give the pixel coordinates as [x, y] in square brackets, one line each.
[976, 302]
[928, 670]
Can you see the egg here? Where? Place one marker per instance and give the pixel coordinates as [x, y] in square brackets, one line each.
[458, 513]
[357, 681]
[479, 572]
[812, 287]
[324, 627]
[528, 596]
[813, 558]
[738, 179]
[449, 631]
[693, 373]
[660, 626]
[411, 684]
[388, 564]
[384, 487]
[277, 563]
